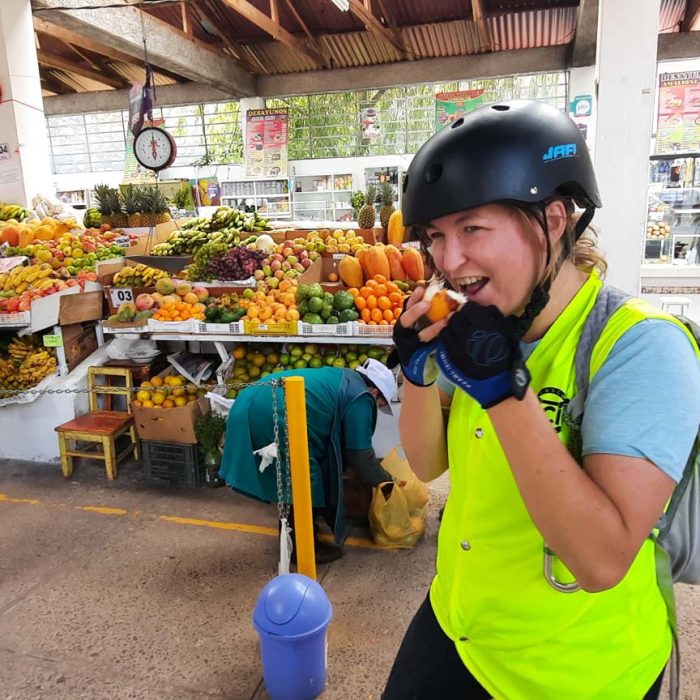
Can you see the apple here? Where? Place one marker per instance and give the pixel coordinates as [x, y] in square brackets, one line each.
[267, 270]
[292, 259]
[259, 275]
[279, 274]
[305, 263]
[298, 248]
[286, 266]
[298, 267]
[275, 265]
[201, 292]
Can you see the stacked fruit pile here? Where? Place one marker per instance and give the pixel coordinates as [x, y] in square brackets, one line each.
[71, 253]
[224, 226]
[338, 241]
[379, 301]
[254, 361]
[385, 260]
[138, 276]
[317, 306]
[171, 391]
[273, 306]
[25, 364]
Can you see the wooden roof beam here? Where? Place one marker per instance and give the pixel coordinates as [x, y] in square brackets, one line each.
[691, 17]
[274, 29]
[389, 18]
[52, 61]
[78, 40]
[482, 26]
[168, 47]
[374, 26]
[218, 26]
[51, 83]
[309, 35]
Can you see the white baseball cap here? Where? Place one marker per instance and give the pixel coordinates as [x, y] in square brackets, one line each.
[383, 378]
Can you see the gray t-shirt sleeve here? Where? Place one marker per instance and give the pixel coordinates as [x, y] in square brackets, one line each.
[645, 399]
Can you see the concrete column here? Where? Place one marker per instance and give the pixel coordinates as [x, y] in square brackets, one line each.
[25, 167]
[627, 38]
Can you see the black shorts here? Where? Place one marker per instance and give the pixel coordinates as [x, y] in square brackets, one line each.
[428, 666]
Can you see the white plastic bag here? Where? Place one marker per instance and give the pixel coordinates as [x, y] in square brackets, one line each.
[266, 454]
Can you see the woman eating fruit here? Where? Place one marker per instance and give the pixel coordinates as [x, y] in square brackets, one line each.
[546, 581]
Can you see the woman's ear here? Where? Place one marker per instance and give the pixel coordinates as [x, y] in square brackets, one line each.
[556, 220]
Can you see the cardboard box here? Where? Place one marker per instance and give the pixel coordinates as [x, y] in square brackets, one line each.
[66, 308]
[319, 270]
[79, 342]
[169, 424]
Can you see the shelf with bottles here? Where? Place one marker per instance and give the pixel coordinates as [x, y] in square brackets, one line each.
[322, 193]
[268, 197]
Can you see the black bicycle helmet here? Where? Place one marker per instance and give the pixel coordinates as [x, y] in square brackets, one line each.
[521, 152]
[518, 151]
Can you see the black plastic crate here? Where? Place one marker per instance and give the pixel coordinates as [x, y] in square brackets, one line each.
[176, 462]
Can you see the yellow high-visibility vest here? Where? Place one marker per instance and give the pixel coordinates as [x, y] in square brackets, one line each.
[519, 637]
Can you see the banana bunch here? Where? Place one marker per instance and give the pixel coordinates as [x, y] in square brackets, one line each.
[138, 276]
[13, 211]
[228, 218]
[26, 364]
[188, 242]
[20, 348]
[19, 279]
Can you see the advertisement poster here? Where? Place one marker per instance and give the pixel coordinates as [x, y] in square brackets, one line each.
[450, 106]
[267, 132]
[581, 111]
[134, 173]
[206, 191]
[678, 128]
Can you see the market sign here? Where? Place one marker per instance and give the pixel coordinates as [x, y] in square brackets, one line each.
[266, 141]
[450, 106]
[678, 126]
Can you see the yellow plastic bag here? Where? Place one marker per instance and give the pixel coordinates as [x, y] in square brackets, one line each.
[398, 510]
[415, 491]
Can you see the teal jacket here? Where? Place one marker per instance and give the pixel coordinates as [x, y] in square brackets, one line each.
[330, 392]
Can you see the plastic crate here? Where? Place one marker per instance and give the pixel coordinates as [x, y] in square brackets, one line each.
[363, 329]
[189, 326]
[271, 327]
[342, 329]
[20, 318]
[235, 328]
[176, 462]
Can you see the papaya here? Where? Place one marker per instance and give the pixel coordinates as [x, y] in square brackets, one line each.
[10, 235]
[350, 271]
[413, 264]
[361, 255]
[393, 255]
[395, 230]
[377, 262]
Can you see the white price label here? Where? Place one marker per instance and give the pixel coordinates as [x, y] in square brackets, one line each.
[119, 296]
[4, 151]
[338, 256]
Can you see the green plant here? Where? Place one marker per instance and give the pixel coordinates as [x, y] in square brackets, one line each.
[210, 430]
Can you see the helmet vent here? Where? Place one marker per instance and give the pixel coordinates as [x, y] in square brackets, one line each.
[405, 184]
[459, 122]
[500, 108]
[433, 173]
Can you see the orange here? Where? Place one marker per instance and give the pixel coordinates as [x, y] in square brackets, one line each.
[354, 291]
[380, 279]
[396, 297]
[365, 315]
[365, 291]
[371, 283]
[384, 302]
[397, 311]
[388, 315]
[392, 287]
[371, 302]
[376, 315]
[360, 303]
[380, 290]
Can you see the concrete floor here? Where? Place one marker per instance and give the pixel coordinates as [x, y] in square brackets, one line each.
[130, 590]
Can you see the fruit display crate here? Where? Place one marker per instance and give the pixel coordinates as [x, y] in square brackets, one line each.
[365, 330]
[18, 319]
[271, 328]
[327, 329]
[189, 326]
[235, 328]
[176, 462]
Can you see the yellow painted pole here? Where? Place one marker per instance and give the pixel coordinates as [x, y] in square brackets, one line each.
[295, 401]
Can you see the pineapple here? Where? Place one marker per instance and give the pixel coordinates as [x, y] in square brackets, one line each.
[118, 217]
[103, 202]
[155, 207]
[387, 198]
[132, 206]
[160, 207]
[367, 213]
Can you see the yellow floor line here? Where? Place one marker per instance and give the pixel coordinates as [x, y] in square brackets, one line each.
[216, 524]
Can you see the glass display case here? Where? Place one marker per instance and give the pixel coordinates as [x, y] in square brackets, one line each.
[672, 234]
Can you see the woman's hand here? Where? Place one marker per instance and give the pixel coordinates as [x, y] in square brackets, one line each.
[415, 350]
[479, 351]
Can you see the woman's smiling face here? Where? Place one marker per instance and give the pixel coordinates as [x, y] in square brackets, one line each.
[493, 254]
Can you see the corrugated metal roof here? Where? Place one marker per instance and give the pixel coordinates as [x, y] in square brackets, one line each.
[529, 30]
[671, 15]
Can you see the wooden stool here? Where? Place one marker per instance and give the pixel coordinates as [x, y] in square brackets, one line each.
[100, 427]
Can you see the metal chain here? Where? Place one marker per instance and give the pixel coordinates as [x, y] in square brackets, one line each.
[281, 470]
[208, 387]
